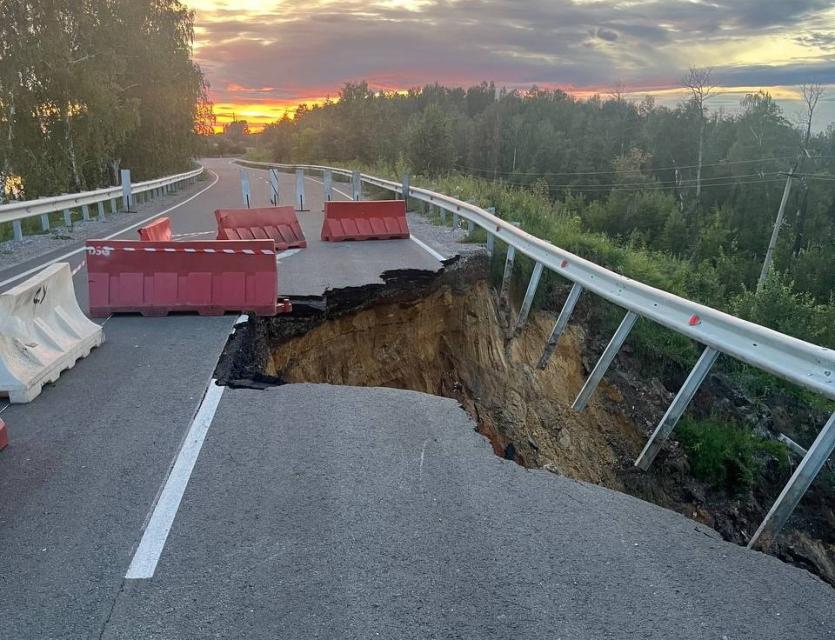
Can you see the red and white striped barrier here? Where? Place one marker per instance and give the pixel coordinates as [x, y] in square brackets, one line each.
[106, 250]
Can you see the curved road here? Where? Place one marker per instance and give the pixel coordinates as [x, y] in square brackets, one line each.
[313, 511]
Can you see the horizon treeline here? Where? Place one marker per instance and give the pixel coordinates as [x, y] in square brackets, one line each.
[627, 169]
[91, 86]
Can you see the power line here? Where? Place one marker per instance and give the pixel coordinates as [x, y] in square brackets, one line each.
[715, 181]
[580, 188]
[813, 176]
[722, 163]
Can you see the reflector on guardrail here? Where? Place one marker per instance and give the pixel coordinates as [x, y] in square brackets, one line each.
[278, 223]
[207, 277]
[365, 220]
[158, 231]
[42, 332]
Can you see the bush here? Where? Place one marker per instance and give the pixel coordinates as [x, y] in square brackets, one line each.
[728, 457]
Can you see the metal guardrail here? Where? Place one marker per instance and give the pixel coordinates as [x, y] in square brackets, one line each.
[805, 364]
[16, 211]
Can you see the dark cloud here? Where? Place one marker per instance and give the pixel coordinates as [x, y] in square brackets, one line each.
[607, 34]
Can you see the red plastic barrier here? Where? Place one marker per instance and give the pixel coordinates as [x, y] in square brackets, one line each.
[4, 436]
[156, 278]
[158, 231]
[365, 220]
[278, 223]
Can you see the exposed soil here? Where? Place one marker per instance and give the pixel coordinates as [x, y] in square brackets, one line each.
[446, 335]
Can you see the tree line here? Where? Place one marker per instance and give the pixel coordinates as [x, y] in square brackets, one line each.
[91, 86]
[686, 180]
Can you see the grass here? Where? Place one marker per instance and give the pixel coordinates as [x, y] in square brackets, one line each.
[726, 456]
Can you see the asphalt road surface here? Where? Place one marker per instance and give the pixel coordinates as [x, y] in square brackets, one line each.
[138, 500]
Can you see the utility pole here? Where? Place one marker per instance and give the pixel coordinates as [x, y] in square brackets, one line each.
[769, 254]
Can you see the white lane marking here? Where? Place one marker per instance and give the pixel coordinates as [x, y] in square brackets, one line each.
[29, 272]
[428, 249]
[78, 268]
[147, 555]
[287, 253]
[339, 191]
[192, 235]
[6, 406]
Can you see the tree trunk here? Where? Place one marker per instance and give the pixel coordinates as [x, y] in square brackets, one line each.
[71, 150]
[699, 166]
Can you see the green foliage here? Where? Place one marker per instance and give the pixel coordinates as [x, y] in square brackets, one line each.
[611, 167]
[429, 142]
[727, 456]
[780, 307]
[89, 87]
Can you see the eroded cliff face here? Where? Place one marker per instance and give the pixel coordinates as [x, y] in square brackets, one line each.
[448, 336]
[453, 345]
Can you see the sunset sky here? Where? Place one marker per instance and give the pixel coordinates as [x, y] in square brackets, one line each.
[263, 57]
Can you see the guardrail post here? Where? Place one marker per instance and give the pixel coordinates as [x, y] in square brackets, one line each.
[456, 221]
[300, 190]
[100, 204]
[602, 365]
[126, 189]
[113, 206]
[560, 325]
[67, 218]
[406, 188]
[443, 215]
[676, 408]
[17, 229]
[274, 197]
[508, 272]
[797, 485]
[45, 221]
[490, 238]
[528, 300]
[85, 212]
[246, 194]
[327, 184]
[356, 186]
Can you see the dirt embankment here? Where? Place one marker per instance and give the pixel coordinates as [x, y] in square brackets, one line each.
[448, 338]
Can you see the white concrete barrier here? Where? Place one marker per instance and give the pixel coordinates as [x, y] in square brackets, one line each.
[42, 332]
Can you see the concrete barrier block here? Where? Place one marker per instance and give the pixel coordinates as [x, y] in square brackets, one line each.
[42, 332]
